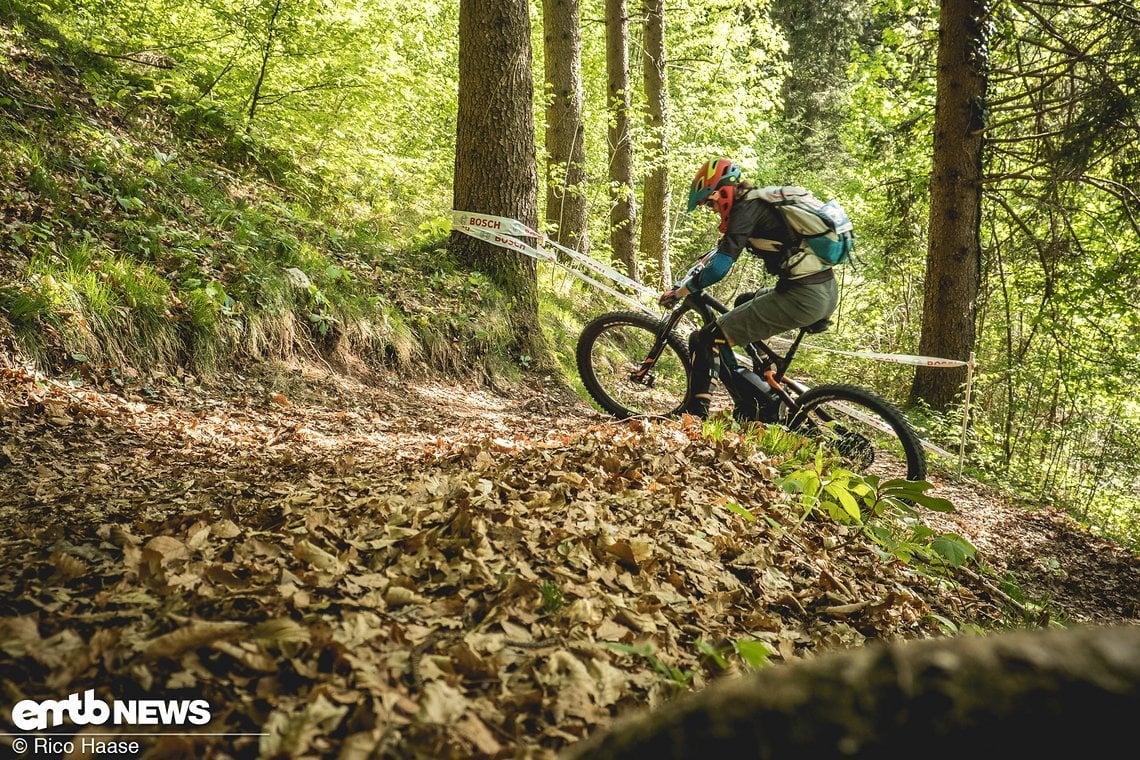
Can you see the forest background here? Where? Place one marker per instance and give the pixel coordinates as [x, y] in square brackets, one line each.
[330, 130]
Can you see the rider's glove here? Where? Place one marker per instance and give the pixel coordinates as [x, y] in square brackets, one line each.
[668, 299]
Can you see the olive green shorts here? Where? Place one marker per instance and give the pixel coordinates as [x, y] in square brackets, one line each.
[773, 313]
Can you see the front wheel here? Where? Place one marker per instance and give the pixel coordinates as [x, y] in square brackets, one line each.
[631, 366]
[868, 432]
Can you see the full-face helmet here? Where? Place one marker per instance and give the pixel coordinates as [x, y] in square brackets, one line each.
[715, 185]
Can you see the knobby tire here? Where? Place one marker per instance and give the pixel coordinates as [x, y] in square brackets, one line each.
[612, 347]
[846, 403]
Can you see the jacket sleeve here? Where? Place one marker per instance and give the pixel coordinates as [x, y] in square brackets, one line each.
[713, 272]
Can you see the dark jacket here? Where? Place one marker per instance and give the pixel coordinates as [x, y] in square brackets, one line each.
[755, 224]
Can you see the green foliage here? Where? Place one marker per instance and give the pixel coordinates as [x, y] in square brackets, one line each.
[552, 597]
[145, 246]
[753, 653]
[679, 678]
[885, 511]
[230, 142]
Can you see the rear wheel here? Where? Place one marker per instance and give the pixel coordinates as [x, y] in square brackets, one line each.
[620, 373]
[868, 432]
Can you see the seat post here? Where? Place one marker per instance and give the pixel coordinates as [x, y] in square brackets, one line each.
[795, 344]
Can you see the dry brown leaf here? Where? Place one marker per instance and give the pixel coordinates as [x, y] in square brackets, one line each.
[441, 704]
[516, 533]
[164, 550]
[476, 732]
[292, 733]
[196, 634]
[315, 555]
[397, 596]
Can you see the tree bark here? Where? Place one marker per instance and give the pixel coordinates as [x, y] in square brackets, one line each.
[655, 205]
[1053, 693]
[953, 259]
[623, 214]
[495, 161]
[566, 207]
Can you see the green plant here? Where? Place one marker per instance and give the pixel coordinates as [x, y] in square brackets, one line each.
[552, 597]
[776, 441]
[885, 511]
[716, 427]
[755, 654]
[676, 676]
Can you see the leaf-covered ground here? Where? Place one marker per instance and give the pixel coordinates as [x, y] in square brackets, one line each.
[413, 569]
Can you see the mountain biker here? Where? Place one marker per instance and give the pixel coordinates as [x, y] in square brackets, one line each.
[805, 290]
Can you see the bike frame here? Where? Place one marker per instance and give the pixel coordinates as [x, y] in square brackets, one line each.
[766, 362]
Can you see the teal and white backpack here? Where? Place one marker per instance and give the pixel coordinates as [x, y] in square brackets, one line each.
[824, 227]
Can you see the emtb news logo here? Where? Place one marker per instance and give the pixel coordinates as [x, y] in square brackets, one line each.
[89, 710]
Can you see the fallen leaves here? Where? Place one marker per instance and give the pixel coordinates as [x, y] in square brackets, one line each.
[363, 586]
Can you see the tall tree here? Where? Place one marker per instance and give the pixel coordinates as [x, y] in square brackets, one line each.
[816, 98]
[953, 259]
[655, 206]
[623, 211]
[566, 205]
[495, 161]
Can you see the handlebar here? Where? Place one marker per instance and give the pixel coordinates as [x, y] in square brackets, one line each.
[696, 267]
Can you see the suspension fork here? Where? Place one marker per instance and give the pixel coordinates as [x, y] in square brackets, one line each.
[642, 374]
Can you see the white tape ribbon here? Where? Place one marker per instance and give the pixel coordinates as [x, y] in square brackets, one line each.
[491, 223]
[603, 270]
[918, 361]
[616, 294]
[505, 241]
[504, 232]
[481, 224]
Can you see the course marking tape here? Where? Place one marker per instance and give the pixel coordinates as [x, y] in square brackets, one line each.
[471, 222]
[918, 361]
[504, 232]
[616, 294]
[494, 224]
[602, 269]
[506, 241]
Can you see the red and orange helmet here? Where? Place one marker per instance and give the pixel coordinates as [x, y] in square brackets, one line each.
[713, 175]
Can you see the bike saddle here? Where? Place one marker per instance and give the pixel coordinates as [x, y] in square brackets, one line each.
[818, 327]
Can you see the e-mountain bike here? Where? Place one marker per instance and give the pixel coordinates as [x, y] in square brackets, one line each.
[633, 364]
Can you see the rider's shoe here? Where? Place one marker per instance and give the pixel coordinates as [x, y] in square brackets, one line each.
[743, 416]
[745, 410]
[698, 407]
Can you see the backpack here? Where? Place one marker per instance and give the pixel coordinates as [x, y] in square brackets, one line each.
[824, 227]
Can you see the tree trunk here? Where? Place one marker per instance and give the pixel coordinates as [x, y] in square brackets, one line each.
[815, 90]
[565, 131]
[1051, 693]
[953, 259]
[263, 69]
[655, 208]
[623, 215]
[495, 161]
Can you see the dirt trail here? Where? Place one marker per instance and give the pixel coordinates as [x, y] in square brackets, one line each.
[414, 567]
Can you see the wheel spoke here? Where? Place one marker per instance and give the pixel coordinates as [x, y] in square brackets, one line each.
[868, 433]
